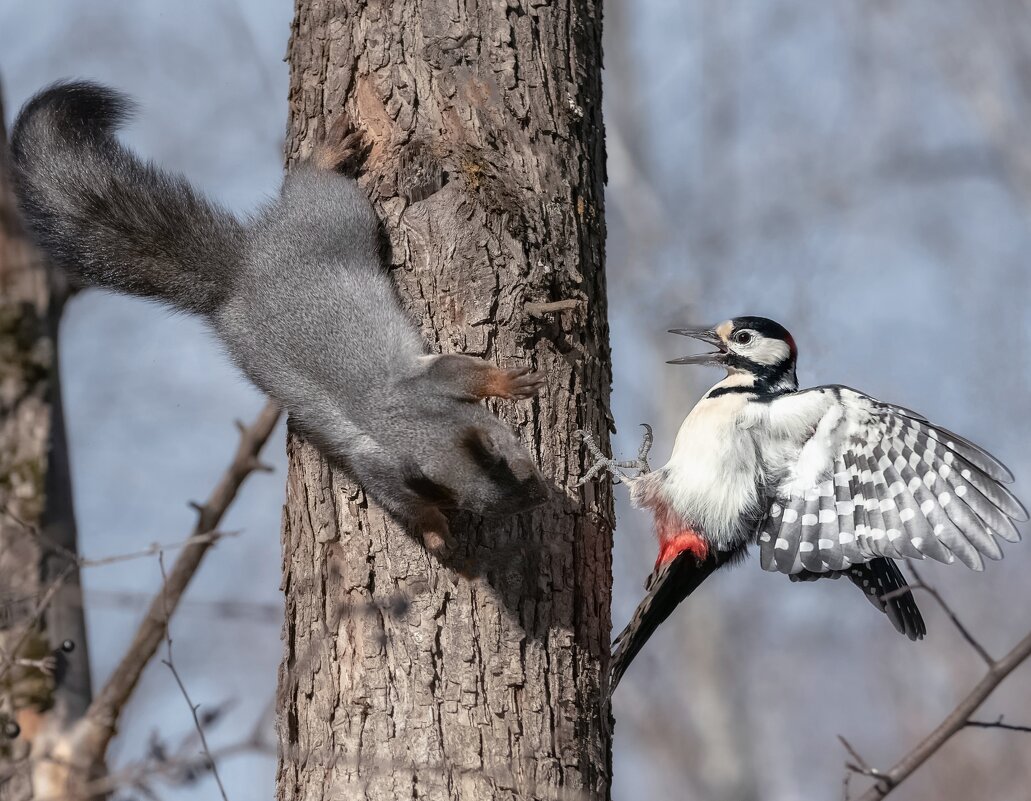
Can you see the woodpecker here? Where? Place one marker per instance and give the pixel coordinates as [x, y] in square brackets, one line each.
[828, 482]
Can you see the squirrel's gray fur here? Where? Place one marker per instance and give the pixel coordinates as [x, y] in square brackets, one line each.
[299, 297]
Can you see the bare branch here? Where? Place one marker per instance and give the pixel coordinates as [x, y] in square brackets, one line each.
[254, 611]
[170, 768]
[957, 719]
[434, 773]
[170, 663]
[102, 716]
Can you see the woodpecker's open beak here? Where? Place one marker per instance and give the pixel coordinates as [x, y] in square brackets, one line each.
[708, 335]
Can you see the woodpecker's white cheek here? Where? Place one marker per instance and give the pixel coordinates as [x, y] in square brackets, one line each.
[766, 351]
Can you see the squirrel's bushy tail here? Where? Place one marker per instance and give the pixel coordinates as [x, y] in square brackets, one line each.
[111, 219]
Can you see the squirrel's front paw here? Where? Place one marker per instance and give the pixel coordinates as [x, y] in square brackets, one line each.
[517, 383]
[438, 543]
[436, 536]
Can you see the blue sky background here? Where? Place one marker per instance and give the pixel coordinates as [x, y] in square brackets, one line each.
[856, 170]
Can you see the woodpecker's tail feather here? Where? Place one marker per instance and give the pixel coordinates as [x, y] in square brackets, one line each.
[880, 577]
[670, 585]
[109, 218]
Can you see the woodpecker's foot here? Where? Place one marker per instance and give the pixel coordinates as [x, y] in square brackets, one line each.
[640, 464]
[603, 464]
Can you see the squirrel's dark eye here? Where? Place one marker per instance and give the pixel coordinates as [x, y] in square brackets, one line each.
[742, 337]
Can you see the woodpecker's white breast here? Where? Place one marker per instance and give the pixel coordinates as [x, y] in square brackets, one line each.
[713, 476]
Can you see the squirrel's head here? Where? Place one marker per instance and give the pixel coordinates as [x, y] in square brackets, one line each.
[480, 467]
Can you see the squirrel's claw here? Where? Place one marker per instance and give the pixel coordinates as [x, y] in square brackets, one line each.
[523, 382]
[343, 148]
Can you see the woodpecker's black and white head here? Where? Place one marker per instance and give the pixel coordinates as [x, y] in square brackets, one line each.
[752, 347]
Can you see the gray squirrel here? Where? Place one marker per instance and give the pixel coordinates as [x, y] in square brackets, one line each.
[299, 297]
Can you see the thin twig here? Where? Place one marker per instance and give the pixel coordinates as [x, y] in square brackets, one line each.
[861, 766]
[963, 630]
[170, 663]
[858, 765]
[102, 716]
[9, 658]
[996, 724]
[155, 549]
[430, 773]
[82, 561]
[251, 611]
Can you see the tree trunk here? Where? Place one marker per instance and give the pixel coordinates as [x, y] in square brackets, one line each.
[402, 678]
[35, 508]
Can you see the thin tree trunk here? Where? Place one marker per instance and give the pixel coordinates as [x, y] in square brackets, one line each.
[402, 678]
[35, 507]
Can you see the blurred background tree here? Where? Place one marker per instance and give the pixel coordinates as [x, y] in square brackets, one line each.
[35, 504]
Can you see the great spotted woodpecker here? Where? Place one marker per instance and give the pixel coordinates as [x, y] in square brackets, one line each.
[827, 481]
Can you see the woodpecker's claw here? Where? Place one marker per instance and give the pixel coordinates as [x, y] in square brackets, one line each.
[602, 463]
[641, 462]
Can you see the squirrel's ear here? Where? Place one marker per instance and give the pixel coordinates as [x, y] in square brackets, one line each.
[484, 451]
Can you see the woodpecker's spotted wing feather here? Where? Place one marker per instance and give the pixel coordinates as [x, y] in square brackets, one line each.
[908, 524]
[844, 517]
[787, 517]
[881, 577]
[846, 472]
[882, 583]
[916, 489]
[809, 547]
[976, 455]
[925, 447]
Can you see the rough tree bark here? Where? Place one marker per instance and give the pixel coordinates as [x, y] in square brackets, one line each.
[402, 678]
[35, 507]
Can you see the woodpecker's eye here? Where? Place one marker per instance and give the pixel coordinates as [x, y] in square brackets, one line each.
[742, 337]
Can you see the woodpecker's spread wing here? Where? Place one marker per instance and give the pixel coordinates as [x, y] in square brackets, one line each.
[865, 479]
